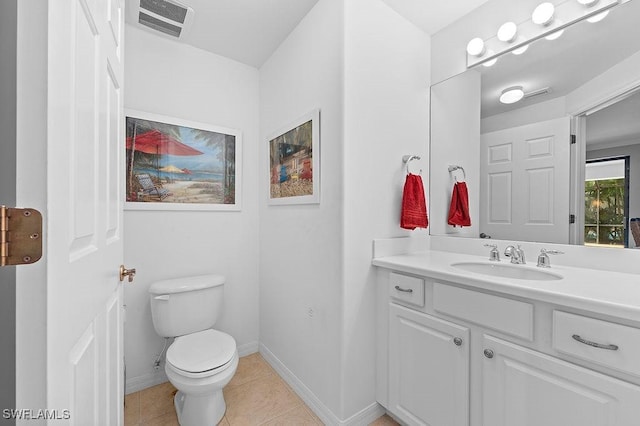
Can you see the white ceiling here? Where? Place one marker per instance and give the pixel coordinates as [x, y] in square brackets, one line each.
[615, 125]
[247, 31]
[433, 15]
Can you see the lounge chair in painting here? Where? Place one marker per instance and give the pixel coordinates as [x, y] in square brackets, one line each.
[150, 188]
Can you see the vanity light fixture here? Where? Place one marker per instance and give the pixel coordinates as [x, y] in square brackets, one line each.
[511, 95]
[543, 14]
[492, 62]
[520, 50]
[476, 47]
[547, 21]
[508, 32]
[555, 35]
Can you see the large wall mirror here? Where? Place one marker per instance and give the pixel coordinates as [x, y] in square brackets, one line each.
[526, 180]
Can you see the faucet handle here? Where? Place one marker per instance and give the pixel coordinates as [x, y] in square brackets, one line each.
[543, 257]
[494, 254]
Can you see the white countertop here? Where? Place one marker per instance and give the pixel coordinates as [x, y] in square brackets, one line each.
[608, 293]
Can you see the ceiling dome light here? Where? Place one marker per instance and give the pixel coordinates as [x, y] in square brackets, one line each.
[511, 95]
[507, 32]
[599, 17]
[587, 3]
[476, 47]
[543, 14]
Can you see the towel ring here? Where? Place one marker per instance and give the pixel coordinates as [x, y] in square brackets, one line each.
[407, 159]
[453, 168]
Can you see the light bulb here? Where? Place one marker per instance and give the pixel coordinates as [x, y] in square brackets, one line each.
[554, 36]
[543, 14]
[492, 61]
[520, 50]
[512, 95]
[587, 3]
[599, 17]
[507, 32]
[476, 47]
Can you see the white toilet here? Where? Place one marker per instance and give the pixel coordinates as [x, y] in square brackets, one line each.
[201, 361]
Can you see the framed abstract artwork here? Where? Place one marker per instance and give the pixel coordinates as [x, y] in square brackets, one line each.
[294, 162]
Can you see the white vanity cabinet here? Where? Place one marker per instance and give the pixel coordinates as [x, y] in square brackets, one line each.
[525, 387]
[428, 369]
[454, 355]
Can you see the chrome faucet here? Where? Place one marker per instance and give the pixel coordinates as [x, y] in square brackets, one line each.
[494, 254]
[516, 255]
[543, 258]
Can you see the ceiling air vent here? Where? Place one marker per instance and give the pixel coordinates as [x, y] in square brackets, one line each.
[167, 16]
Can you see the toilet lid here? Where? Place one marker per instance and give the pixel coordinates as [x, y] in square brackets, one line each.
[201, 351]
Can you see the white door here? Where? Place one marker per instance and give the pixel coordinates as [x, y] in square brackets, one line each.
[428, 369]
[521, 387]
[84, 229]
[524, 182]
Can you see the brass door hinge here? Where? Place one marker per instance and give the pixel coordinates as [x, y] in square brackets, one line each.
[20, 236]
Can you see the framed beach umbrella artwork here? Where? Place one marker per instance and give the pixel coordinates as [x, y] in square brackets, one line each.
[175, 164]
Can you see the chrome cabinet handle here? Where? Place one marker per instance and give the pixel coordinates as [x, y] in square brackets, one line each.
[594, 344]
[405, 290]
[457, 341]
[488, 353]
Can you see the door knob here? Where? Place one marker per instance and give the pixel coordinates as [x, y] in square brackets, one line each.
[127, 273]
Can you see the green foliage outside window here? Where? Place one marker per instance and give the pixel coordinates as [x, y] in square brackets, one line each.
[604, 212]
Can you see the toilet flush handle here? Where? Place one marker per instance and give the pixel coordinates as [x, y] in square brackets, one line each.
[162, 297]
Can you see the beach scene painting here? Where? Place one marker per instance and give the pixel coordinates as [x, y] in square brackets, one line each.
[294, 164]
[179, 165]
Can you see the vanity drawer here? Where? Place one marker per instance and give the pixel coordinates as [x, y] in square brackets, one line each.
[406, 288]
[605, 343]
[499, 313]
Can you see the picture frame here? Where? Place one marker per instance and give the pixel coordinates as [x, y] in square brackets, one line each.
[177, 164]
[293, 153]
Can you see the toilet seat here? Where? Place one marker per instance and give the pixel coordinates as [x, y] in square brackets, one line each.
[204, 351]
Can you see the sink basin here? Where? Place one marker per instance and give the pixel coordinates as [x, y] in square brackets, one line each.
[518, 272]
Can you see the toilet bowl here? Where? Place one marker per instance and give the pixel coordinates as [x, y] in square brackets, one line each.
[201, 360]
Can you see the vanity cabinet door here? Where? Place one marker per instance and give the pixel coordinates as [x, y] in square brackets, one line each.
[522, 387]
[428, 369]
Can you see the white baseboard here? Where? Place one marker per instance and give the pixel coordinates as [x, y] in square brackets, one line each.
[248, 348]
[364, 417]
[135, 384]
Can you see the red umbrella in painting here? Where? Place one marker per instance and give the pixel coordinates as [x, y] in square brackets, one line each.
[158, 143]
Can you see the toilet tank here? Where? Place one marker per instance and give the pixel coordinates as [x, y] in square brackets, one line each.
[186, 305]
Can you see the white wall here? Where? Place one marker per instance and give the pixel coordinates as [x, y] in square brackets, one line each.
[176, 80]
[371, 85]
[301, 245]
[387, 81]
[455, 140]
[542, 111]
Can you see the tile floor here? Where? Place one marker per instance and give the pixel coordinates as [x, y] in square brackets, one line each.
[255, 396]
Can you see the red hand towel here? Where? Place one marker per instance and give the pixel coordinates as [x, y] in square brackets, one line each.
[414, 205]
[459, 208]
